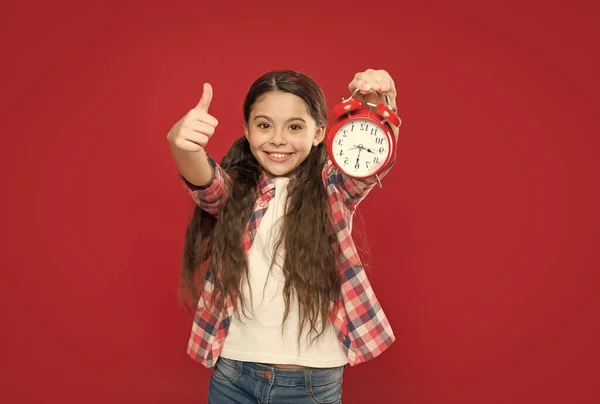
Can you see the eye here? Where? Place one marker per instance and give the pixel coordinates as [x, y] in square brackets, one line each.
[295, 127]
[263, 126]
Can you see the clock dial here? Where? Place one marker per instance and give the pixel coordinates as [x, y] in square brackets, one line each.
[360, 147]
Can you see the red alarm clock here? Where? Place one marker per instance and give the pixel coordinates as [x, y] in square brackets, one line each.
[361, 141]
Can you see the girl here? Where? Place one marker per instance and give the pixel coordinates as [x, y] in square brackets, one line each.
[284, 303]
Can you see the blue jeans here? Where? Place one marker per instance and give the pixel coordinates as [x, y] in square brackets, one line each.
[236, 382]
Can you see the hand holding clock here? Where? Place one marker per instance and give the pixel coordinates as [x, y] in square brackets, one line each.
[373, 86]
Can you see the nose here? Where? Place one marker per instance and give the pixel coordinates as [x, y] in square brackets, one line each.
[277, 138]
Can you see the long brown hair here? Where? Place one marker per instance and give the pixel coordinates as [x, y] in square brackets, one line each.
[311, 246]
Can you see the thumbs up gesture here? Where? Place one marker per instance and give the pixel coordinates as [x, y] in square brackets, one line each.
[193, 131]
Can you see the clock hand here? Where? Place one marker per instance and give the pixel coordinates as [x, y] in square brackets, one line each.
[358, 157]
[362, 148]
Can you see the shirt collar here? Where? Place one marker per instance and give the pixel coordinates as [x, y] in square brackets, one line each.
[266, 184]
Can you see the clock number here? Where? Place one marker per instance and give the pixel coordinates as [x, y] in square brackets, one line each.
[375, 160]
[352, 128]
[357, 165]
[374, 131]
[346, 161]
[367, 163]
[341, 142]
[379, 140]
[364, 127]
[345, 134]
[381, 150]
[341, 152]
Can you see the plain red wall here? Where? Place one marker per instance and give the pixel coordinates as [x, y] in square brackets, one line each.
[482, 241]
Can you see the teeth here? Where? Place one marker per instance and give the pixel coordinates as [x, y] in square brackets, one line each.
[279, 155]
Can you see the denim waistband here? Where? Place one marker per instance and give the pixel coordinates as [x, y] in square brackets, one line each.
[285, 377]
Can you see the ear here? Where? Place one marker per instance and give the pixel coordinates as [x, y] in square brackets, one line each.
[319, 135]
[246, 133]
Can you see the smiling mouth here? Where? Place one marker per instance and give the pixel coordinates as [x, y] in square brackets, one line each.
[278, 156]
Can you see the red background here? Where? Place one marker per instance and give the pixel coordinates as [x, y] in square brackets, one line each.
[482, 241]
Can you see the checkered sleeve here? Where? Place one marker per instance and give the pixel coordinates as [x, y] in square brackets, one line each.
[213, 196]
[354, 190]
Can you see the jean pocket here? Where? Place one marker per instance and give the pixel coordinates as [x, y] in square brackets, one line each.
[226, 370]
[328, 393]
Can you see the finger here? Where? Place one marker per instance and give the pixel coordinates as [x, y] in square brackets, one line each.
[201, 139]
[206, 98]
[359, 84]
[188, 145]
[369, 81]
[206, 118]
[202, 128]
[385, 84]
[374, 79]
[385, 81]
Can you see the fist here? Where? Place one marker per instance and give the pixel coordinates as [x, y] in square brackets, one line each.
[194, 130]
[373, 86]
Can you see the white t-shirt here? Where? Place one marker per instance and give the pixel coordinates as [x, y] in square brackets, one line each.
[257, 336]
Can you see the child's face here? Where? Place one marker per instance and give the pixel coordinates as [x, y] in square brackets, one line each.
[281, 132]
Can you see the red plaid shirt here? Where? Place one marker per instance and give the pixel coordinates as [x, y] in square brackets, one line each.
[362, 327]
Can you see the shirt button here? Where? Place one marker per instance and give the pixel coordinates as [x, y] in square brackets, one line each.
[262, 204]
[219, 340]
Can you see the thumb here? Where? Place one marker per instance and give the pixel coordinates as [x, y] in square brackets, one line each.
[207, 95]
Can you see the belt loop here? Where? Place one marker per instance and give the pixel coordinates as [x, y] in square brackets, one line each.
[239, 365]
[308, 380]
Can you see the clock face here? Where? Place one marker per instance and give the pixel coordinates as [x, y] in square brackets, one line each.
[360, 147]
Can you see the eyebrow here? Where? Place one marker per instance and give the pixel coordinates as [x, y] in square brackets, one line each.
[295, 118]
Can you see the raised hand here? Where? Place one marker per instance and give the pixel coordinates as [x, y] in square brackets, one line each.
[193, 131]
